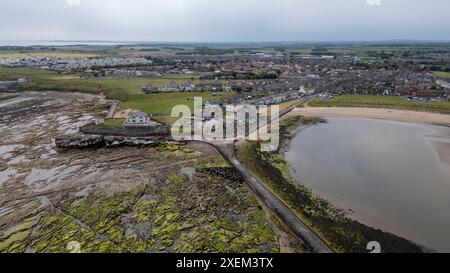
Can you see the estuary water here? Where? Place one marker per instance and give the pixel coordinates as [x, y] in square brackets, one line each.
[389, 175]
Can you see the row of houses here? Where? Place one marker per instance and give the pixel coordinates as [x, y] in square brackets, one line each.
[131, 73]
[422, 90]
[189, 87]
[65, 65]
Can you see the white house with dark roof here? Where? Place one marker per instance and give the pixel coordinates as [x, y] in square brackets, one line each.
[139, 119]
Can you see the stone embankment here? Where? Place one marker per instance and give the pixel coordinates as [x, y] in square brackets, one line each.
[162, 130]
[93, 136]
[230, 173]
[80, 141]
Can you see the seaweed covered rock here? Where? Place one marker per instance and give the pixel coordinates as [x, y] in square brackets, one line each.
[79, 141]
[229, 173]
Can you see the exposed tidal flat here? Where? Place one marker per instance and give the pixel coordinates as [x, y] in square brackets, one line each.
[389, 175]
[165, 198]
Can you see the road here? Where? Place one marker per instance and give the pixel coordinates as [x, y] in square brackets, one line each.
[112, 110]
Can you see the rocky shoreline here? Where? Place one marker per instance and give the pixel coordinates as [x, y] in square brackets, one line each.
[141, 199]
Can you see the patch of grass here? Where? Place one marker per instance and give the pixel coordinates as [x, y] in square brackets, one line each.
[34, 74]
[64, 77]
[286, 105]
[126, 90]
[133, 86]
[383, 102]
[290, 124]
[163, 103]
[214, 163]
[43, 80]
[10, 54]
[117, 122]
[165, 119]
[180, 151]
[442, 74]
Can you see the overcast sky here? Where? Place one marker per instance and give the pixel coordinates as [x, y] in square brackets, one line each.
[224, 20]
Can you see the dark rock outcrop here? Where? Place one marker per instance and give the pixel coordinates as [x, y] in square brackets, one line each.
[3, 165]
[229, 173]
[140, 132]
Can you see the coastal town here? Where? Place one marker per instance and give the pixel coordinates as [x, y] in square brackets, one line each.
[268, 76]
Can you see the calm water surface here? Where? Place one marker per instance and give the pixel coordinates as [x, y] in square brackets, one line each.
[389, 175]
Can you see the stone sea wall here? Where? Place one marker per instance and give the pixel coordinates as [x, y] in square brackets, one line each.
[80, 141]
[151, 131]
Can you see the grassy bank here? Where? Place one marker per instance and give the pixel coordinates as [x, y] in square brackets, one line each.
[383, 102]
[44, 80]
[117, 122]
[126, 90]
[442, 74]
[331, 224]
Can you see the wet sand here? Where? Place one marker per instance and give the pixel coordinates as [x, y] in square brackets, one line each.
[388, 114]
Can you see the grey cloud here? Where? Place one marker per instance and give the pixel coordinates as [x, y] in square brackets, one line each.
[224, 20]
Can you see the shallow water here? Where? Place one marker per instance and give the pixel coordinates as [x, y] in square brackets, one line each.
[389, 175]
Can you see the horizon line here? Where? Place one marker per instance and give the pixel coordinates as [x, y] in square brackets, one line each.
[131, 42]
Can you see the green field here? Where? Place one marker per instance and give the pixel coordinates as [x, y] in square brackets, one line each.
[373, 50]
[114, 122]
[443, 75]
[383, 102]
[126, 90]
[114, 88]
[163, 103]
[52, 81]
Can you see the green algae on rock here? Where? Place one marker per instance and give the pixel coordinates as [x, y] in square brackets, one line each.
[172, 212]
